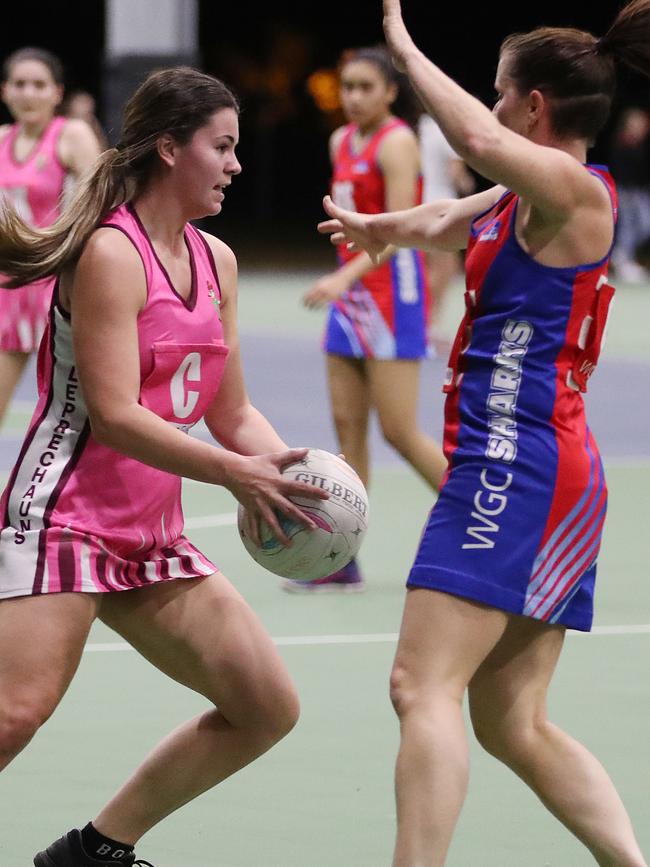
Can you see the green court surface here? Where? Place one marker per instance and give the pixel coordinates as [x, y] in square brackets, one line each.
[324, 796]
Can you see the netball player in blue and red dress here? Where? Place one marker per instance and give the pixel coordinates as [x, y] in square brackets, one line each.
[507, 559]
[376, 334]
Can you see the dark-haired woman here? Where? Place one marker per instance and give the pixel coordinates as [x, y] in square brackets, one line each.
[507, 559]
[376, 334]
[141, 344]
[40, 156]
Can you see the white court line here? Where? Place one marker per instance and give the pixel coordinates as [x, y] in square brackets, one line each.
[374, 638]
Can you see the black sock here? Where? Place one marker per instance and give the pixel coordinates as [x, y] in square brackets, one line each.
[102, 847]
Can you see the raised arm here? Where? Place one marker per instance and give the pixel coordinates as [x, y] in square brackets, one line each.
[551, 180]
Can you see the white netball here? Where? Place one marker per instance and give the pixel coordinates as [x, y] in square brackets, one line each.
[341, 522]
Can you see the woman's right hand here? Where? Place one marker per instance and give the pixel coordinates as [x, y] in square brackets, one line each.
[325, 290]
[352, 229]
[257, 483]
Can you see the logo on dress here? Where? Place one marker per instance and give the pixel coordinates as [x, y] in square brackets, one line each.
[361, 168]
[216, 301]
[491, 233]
[40, 162]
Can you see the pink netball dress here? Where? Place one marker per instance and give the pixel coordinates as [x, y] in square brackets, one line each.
[34, 187]
[79, 516]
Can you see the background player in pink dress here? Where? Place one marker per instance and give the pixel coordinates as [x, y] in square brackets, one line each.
[376, 333]
[40, 155]
[141, 342]
[507, 559]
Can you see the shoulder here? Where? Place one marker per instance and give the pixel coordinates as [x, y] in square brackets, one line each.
[109, 247]
[77, 143]
[398, 143]
[110, 273]
[398, 136]
[5, 129]
[76, 130]
[224, 259]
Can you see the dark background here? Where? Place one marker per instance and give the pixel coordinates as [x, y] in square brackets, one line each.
[267, 56]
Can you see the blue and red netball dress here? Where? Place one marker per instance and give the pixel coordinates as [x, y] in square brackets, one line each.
[385, 314]
[519, 519]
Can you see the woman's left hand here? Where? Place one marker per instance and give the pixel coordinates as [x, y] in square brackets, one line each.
[398, 39]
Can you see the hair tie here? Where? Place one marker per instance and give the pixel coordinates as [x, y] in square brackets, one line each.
[603, 46]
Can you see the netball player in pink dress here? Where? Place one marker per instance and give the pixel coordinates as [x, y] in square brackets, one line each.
[41, 156]
[507, 559]
[141, 343]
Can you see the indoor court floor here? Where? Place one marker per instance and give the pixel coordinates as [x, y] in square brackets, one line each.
[324, 796]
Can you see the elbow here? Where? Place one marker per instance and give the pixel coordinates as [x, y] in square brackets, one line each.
[108, 429]
[103, 432]
[479, 146]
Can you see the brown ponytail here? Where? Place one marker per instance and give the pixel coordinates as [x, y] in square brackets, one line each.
[628, 39]
[176, 102]
[27, 254]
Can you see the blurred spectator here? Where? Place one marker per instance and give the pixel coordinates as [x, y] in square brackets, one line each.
[445, 176]
[629, 162]
[81, 104]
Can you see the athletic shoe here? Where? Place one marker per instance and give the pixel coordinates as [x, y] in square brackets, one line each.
[68, 851]
[346, 580]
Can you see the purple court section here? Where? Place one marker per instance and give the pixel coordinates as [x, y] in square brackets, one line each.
[285, 376]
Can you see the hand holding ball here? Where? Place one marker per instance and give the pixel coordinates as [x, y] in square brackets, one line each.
[341, 522]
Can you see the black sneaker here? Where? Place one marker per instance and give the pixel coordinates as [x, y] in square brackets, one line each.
[69, 852]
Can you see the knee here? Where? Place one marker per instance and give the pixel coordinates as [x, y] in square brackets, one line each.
[285, 713]
[403, 694]
[20, 719]
[349, 427]
[397, 435]
[512, 742]
[272, 715]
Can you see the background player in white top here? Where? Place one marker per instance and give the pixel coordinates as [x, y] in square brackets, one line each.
[445, 176]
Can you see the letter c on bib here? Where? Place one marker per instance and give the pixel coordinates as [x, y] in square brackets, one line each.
[184, 399]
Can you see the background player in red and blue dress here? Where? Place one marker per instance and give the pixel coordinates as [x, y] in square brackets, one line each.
[41, 157]
[376, 334]
[507, 559]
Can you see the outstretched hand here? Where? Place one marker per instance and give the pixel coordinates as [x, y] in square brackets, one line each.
[351, 229]
[397, 36]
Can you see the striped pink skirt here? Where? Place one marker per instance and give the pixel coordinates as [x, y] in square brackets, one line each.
[60, 560]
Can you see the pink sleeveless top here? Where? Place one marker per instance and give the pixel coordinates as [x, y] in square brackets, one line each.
[35, 185]
[78, 515]
[35, 188]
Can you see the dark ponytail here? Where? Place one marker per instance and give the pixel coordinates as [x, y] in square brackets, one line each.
[628, 39]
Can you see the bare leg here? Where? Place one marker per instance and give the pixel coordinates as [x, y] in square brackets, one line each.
[508, 707]
[41, 641]
[395, 389]
[12, 366]
[203, 634]
[350, 400]
[443, 640]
